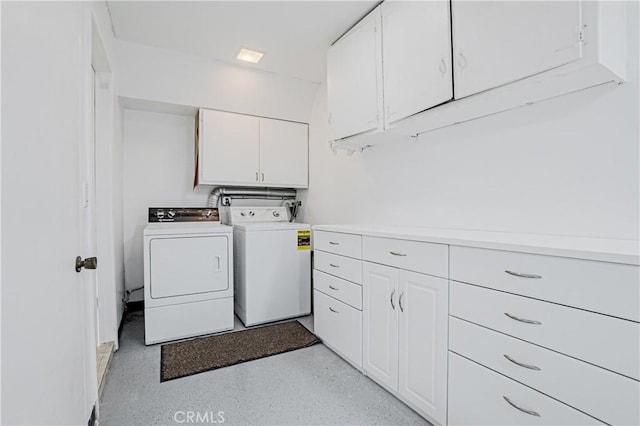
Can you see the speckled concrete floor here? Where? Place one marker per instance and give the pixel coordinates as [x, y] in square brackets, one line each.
[303, 387]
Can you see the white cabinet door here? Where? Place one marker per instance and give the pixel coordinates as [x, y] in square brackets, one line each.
[416, 39]
[354, 79]
[228, 148]
[380, 316]
[284, 153]
[423, 304]
[498, 42]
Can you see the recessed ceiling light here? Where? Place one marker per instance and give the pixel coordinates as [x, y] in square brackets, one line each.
[248, 55]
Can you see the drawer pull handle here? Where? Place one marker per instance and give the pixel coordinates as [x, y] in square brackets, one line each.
[526, 321]
[395, 253]
[333, 310]
[333, 288]
[530, 367]
[334, 266]
[521, 275]
[391, 299]
[524, 410]
[400, 302]
[333, 243]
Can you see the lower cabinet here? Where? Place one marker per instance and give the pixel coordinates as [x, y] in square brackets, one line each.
[339, 326]
[405, 321]
[479, 396]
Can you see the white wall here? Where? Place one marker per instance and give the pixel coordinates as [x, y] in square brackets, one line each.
[568, 166]
[158, 172]
[167, 76]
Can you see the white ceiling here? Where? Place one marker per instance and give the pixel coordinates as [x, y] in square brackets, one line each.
[294, 35]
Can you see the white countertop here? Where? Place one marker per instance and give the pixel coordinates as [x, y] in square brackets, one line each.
[606, 250]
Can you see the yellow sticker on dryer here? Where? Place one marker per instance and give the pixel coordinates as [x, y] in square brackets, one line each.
[304, 239]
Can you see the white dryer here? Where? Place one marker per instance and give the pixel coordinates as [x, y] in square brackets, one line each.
[188, 271]
[272, 266]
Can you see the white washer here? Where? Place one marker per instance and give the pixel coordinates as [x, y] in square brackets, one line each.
[187, 280]
[272, 265]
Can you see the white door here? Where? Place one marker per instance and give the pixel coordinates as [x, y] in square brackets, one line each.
[354, 79]
[497, 42]
[284, 153]
[380, 323]
[45, 321]
[423, 304]
[416, 40]
[229, 152]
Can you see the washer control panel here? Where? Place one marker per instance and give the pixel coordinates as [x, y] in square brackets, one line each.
[182, 214]
[257, 214]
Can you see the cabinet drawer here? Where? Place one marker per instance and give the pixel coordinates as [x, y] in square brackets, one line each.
[339, 266]
[339, 326]
[427, 258]
[344, 291]
[609, 342]
[477, 397]
[335, 242]
[610, 397]
[608, 288]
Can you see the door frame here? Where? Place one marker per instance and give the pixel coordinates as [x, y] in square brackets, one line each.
[96, 129]
[104, 124]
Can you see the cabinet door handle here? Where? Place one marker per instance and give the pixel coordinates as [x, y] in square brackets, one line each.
[526, 321]
[256, 176]
[530, 367]
[400, 302]
[333, 310]
[395, 253]
[391, 299]
[443, 66]
[333, 288]
[334, 265]
[263, 176]
[529, 412]
[333, 243]
[219, 264]
[462, 60]
[521, 275]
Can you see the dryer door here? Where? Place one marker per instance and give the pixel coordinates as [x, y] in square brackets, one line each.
[181, 266]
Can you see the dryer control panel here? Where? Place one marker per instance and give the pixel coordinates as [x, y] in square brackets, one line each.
[183, 214]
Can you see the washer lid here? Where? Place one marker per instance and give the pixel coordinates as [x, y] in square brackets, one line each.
[184, 228]
[272, 226]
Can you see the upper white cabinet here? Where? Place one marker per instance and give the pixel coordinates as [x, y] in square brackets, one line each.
[284, 153]
[416, 40]
[394, 63]
[237, 149]
[498, 42]
[228, 148]
[506, 54]
[354, 78]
